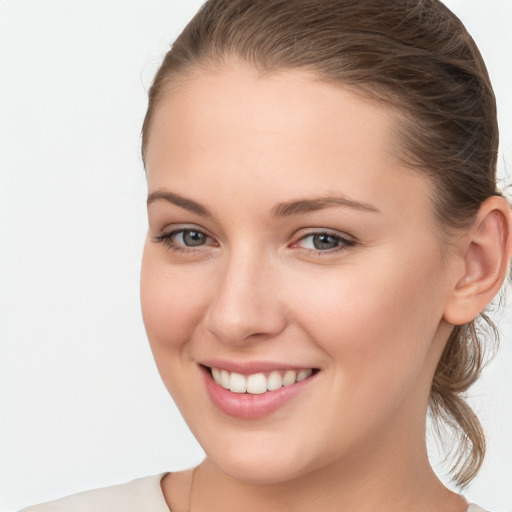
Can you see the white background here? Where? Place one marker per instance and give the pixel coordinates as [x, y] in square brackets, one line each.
[81, 404]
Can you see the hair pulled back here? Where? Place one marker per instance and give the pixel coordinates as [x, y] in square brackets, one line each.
[416, 56]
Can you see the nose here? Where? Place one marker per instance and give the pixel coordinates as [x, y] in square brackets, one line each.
[245, 306]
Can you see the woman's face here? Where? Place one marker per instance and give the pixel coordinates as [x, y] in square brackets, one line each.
[286, 242]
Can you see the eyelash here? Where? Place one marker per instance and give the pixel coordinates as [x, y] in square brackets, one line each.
[343, 242]
[167, 239]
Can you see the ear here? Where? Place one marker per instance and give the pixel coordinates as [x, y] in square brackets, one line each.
[486, 253]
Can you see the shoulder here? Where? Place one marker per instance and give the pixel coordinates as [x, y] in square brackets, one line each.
[475, 508]
[141, 494]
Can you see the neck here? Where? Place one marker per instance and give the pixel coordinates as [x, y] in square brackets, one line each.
[361, 482]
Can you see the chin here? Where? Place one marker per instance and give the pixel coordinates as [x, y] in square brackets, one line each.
[257, 472]
[259, 464]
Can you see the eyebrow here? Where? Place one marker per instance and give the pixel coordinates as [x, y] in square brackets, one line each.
[182, 202]
[288, 209]
[302, 206]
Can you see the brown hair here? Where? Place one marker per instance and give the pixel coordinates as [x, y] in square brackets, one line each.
[415, 55]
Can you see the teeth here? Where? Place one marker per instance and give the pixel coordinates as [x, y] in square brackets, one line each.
[224, 379]
[289, 378]
[304, 374]
[237, 383]
[274, 381]
[257, 383]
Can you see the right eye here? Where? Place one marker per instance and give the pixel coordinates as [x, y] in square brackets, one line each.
[184, 239]
[189, 237]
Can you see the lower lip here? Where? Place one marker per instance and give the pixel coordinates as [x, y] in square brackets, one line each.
[248, 406]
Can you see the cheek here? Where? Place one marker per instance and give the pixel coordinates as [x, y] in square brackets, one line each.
[172, 307]
[377, 326]
[172, 301]
[363, 310]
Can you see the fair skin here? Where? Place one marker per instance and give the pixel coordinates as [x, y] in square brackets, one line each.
[242, 274]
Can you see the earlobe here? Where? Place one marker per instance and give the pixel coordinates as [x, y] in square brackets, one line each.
[486, 260]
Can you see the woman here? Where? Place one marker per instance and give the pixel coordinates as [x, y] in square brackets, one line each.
[324, 233]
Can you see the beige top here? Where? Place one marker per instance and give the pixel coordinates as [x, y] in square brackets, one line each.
[141, 495]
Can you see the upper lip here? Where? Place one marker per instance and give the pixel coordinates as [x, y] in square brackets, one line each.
[251, 367]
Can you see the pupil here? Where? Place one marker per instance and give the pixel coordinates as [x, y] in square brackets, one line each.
[324, 242]
[193, 238]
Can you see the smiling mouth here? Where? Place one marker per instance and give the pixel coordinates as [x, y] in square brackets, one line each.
[259, 383]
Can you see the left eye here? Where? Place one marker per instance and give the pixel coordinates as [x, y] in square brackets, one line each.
[323, 241]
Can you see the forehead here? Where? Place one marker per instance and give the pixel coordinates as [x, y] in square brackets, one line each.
[281, 134]
[289, 104]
